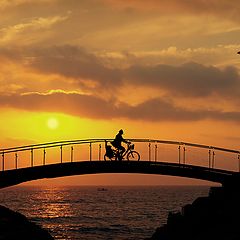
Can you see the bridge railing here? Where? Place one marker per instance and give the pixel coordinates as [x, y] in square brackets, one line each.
[153, 150]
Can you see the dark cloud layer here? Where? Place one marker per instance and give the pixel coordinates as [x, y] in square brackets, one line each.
[187, 80]
[75, 62]
[96, 108]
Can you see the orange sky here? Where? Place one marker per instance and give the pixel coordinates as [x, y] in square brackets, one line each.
[96, 66]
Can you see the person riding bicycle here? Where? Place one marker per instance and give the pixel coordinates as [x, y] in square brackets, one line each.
[117, 142]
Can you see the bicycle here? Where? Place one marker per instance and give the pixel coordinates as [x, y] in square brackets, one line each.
[114, 153]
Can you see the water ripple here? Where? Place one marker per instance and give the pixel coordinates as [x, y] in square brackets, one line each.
[120, 213]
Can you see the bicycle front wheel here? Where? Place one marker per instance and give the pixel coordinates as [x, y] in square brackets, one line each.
[133, 156]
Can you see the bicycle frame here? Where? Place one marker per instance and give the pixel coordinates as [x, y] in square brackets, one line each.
[115, 153]
[129, 149]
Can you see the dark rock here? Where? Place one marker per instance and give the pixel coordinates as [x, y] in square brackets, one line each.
[15, 226]
[213, 217]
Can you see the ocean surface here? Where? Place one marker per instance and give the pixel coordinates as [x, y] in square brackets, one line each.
[74, 213]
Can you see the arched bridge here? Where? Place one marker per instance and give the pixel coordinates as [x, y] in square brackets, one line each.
[78, 157]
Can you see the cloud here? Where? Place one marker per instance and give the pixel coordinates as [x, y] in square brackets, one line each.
[223, 7]
[90, 106]
[95, 25]
[86, 70]
[70, 103]
[223, 55]
[5, 3]
[76, 62]
[186, 80]
[14, 3]
[160, 110]
[12, 34]
[189, 80]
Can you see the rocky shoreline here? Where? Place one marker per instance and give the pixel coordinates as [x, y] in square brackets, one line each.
[216, 216]
[15, 226]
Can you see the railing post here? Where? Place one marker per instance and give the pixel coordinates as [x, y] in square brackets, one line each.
[179, 154]
[71, 153]
[44, 156]
[90, 151]
[155, 152]
[184, 155]
[100, 152]
[61, 158]
[213, 158]
[31, 157]
[16, 158]
[239, 162]
[209, 158]
[149, 151]
[3, 161]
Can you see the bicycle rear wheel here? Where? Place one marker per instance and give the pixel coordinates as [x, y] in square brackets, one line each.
[133, 156]
[106, 158]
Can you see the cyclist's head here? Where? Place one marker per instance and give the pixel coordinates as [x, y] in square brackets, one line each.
[121, 131]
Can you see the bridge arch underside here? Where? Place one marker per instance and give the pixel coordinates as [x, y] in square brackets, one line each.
[17, 176]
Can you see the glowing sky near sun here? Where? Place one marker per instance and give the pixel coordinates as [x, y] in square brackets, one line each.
[86, 68]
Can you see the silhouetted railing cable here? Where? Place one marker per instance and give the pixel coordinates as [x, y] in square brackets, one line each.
[52, 144]
[69, 142]
[186, 144]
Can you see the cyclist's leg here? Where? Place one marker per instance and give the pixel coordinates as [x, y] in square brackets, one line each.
[118, 154]
[122, 151]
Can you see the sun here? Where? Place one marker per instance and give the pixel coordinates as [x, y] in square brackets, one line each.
[52, 123]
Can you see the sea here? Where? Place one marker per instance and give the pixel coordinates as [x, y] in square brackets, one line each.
[99, 212]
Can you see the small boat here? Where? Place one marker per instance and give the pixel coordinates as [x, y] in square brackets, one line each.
[102, 189]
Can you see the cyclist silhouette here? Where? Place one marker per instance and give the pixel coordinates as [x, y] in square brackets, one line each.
[117, 142]
[118, 152]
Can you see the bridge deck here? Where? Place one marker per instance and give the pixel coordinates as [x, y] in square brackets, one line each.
[17, 176]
